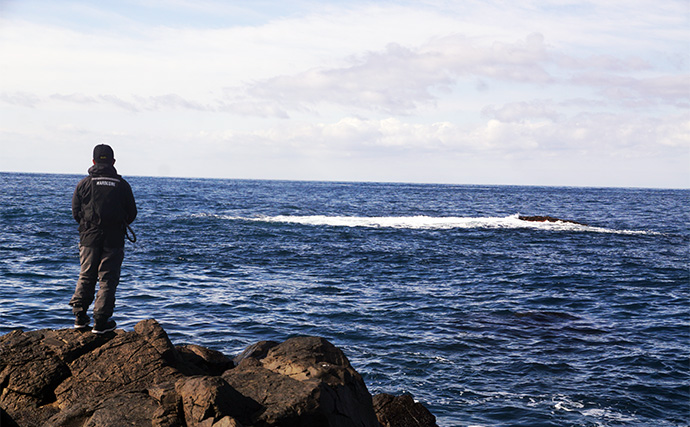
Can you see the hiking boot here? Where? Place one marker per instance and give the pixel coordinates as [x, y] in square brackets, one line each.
[103, 326]
[82, 321]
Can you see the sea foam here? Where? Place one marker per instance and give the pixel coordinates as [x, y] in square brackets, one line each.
[423, 222]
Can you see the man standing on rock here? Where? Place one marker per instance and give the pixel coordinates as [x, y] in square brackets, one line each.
[103, 205]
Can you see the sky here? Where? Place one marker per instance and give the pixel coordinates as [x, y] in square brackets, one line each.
[480, 92]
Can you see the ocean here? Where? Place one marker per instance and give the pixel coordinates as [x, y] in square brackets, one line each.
[439, 291]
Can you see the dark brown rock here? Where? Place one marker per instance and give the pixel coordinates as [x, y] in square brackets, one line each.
[205, 397]
[72, 378]
[282, 400]
[30, 370]
[255, 351]
[170, 412]
[122, 409]
[125, 363]
[227, 422]
[154, 334]
[304, 381]
[402, 411]
[202, 360]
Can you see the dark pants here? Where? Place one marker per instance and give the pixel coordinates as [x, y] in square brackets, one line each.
[97, 265]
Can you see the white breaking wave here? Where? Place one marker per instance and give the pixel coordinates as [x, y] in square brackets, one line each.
[422, 222]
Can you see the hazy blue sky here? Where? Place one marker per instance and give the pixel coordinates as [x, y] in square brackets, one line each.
[582, 93]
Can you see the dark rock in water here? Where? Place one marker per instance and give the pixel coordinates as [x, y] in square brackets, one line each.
[539, 218]
[402, 411]
[73, 378]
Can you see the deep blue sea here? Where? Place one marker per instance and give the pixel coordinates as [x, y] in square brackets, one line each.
[435, 290]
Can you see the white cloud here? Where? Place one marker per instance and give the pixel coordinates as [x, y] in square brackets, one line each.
[598, 134]
[663, 89]
[347, 85]
[521, 111]
[22, 99]
[399, 79]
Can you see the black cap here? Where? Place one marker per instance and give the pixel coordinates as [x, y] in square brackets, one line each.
[103, 154]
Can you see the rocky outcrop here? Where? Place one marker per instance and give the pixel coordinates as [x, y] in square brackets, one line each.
[71, 378]
[546, 218]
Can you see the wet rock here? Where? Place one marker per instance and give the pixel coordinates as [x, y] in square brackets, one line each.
[76, 378]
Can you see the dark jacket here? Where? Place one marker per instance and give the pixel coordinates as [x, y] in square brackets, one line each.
[103, 204]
